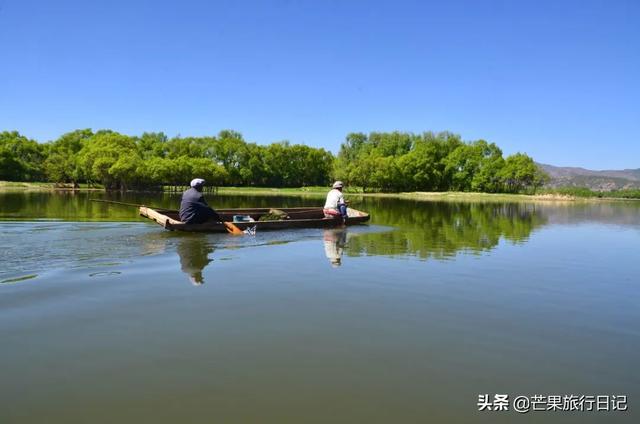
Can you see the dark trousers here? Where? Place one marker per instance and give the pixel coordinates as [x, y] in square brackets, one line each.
[205, 215]
[343, 210]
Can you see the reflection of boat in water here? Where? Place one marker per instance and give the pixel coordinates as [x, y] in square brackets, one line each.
[311, 217]
[334, 243]
[194, 257]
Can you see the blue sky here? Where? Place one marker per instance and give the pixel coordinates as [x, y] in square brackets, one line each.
[559, 80]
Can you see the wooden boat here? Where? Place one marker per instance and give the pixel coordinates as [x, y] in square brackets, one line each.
[312, 217]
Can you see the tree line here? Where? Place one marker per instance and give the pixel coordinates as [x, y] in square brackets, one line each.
[430, 161]
[378, 161]
[152, 160]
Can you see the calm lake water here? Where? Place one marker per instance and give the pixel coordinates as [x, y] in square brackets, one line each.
[107, 318]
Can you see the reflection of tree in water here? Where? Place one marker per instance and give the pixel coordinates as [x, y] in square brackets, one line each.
[194, 253]
[334, 240]
[441, 229]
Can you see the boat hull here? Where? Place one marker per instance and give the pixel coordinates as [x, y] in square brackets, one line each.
[300, 218]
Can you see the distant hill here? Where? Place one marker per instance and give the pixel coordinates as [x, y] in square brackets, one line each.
[595, 180]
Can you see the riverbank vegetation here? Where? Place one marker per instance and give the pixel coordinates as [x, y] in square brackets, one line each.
[394, 162]
[377, 162]
[153, 161]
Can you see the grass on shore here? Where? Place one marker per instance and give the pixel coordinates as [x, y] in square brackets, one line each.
[560, 194]
[17, 185]
[42, 186]
[322, 191]
[544, 195]
[583, 192]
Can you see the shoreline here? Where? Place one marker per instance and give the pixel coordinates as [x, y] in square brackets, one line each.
[10, 186]
[6, 186]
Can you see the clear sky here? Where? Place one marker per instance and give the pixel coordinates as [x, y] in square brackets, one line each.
[559, 79]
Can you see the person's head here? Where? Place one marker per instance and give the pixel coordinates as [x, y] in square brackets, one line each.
[196, 278]
[197, 183]
[338, 185]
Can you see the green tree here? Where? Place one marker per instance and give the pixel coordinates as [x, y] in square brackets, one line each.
[111, 159]
[420, 169]
[156, 171]
[152, 145]
[125, 171]
[254, 170]
[353, 147]
[486, 177]
[230, 150]
[21, 159]
[61, 164]
[520, 173]
[316, 167]
[214, 174]
[474, 167]
[391, 144]
[182, 171]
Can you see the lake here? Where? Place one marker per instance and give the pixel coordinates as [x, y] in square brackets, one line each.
[108, 318]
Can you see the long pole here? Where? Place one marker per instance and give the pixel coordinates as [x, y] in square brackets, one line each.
[127, 204]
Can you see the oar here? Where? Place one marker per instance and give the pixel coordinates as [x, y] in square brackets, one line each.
[231, 228]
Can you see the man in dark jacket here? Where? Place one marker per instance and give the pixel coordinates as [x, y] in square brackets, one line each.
[193, 208]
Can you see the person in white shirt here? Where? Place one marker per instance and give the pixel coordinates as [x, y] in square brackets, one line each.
[336, 206]
[334, 243]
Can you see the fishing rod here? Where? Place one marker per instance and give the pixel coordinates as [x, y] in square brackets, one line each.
[128, 204]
